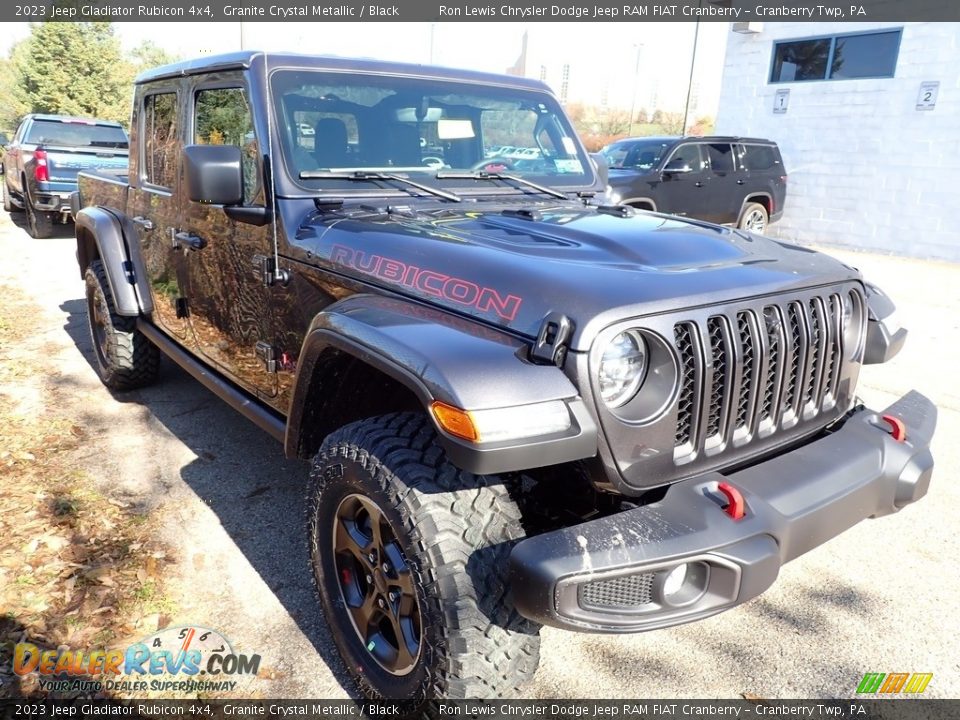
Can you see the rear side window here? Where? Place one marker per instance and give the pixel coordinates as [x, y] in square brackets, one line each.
[720, 156]
[760, 157]
[160, 139]
[74, 133]
[223, 117]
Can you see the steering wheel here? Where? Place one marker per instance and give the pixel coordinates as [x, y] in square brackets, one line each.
[493, 164]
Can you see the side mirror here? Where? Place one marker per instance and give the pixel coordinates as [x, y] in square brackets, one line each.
[214, 174]
[677, 167]
[603, 169]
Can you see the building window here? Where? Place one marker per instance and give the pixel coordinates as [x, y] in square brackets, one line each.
[840, 57]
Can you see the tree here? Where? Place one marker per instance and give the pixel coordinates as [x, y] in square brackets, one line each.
[643, 117]
[72, 69]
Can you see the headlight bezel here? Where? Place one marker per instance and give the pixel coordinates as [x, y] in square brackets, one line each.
[659, 386]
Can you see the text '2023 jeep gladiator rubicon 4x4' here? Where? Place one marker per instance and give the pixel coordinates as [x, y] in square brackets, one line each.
[522, 408]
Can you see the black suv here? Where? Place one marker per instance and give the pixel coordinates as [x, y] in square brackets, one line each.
[726, 180]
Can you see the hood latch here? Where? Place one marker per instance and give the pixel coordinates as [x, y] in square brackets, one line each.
[555, 332]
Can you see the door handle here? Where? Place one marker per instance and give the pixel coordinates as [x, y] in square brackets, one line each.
[739, 182]
[698, 183]
[190, 241]
[145, 223]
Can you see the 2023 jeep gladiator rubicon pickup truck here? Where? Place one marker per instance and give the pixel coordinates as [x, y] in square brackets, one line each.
[523, 408]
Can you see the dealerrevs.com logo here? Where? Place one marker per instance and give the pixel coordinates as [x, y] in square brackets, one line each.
[912, 683]
[176, 659]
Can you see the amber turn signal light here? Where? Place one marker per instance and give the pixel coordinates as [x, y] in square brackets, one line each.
[455, 421]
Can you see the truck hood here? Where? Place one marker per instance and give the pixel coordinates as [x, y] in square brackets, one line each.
[593, 267]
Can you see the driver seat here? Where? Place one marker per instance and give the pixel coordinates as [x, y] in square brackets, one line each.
[330, 143]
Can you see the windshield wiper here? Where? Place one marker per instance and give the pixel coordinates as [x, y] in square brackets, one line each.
[482, 175]
[363, 175]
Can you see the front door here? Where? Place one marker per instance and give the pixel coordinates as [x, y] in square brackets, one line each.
[154, 205]
[229, 307]
[684, 193]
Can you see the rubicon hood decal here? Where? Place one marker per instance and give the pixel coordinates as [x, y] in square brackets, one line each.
[430, 282]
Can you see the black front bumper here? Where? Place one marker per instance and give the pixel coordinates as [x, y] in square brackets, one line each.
[610, 574]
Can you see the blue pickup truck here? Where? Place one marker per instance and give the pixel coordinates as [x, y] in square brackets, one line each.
[41, 163]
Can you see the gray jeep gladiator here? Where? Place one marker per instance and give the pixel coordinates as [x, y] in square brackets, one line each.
[523, 407]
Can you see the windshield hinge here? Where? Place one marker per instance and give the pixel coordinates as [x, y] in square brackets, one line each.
[550, 347]
[265, 270]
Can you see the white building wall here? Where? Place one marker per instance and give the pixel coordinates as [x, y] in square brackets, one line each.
[866, 168]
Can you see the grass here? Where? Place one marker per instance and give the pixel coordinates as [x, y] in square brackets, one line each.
[76, 570]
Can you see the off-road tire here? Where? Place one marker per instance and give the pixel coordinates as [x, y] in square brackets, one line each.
[126, 359]
[750, 211]
[7, 201]
[456, 531]
[39, 223]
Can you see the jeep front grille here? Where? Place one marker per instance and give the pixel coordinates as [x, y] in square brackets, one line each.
[748, 373]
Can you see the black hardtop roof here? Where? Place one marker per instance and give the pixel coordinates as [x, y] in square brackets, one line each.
[245, 59]
[71, 119]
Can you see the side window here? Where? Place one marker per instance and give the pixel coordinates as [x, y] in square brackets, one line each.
[160, 139]
[222, 117]
[720, 157]
[759, 157]
[688, 155]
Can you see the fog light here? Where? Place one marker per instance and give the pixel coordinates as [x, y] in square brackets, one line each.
[674, 580]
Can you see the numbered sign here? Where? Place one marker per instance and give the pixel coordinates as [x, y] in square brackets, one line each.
[927, 99]
[781, 100]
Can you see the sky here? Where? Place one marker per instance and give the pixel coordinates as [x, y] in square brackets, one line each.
[621, 64]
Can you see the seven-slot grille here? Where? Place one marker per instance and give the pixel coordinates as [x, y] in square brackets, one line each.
[748, 373]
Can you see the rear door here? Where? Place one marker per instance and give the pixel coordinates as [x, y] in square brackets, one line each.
[762, 172]
[724, 198]
[153, 202]
[229, 306]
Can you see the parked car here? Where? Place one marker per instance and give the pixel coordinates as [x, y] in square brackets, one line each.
[523, 408]
[726, 180]
[40, 165]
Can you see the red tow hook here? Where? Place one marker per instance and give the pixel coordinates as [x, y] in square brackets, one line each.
[898, 431]
[736, 506]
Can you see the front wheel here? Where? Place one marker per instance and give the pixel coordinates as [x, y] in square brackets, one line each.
[409, 555]
[754, 218]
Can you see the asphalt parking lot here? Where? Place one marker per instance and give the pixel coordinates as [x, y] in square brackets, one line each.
[881, 598]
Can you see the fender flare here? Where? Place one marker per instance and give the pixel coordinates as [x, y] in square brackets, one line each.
[440, 356]
[122, 260]
[751, 197]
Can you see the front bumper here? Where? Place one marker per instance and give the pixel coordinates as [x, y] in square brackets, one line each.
[609, 575]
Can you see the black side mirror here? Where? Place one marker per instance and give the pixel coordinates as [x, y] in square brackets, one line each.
[214, 174]
[677, 167]
[603, 169]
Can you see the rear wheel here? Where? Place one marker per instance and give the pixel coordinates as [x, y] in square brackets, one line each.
[126, 359]
[7, 201]
[754, 218]
[39, 223]
[409, 554]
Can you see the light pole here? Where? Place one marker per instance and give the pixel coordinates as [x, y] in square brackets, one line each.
[633, 97]
[693, 61]
[433, 27]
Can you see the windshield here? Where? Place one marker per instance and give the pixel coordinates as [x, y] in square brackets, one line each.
[635, 154]
[419, 128]
[76, 133]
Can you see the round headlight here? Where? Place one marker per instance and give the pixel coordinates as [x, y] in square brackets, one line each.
[622, 368]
